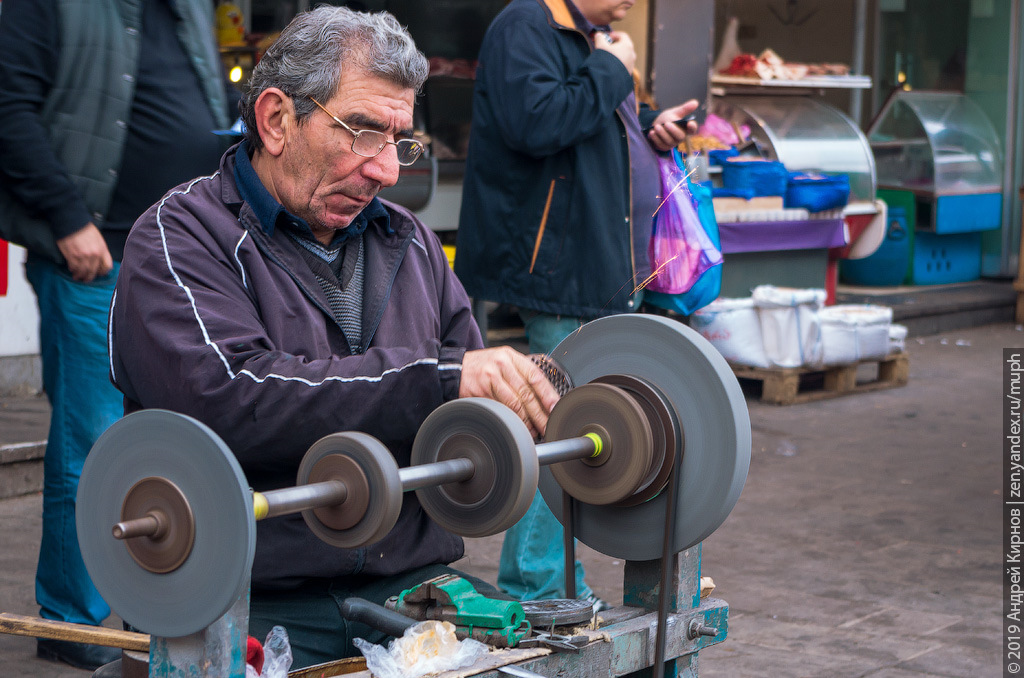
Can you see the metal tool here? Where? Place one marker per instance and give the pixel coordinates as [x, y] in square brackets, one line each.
[167, 520]
[451, 598]
[555, 641]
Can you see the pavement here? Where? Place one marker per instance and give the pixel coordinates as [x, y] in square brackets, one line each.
[867, 541]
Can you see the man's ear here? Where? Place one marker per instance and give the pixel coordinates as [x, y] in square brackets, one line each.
[275, 112]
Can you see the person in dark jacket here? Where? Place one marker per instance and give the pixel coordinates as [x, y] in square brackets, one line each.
[104, 106]
[278, 301]
[561, 185]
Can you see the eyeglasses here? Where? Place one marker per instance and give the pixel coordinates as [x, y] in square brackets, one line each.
[368, 143]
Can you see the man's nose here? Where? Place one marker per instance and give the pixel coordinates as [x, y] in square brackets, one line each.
[383, 167]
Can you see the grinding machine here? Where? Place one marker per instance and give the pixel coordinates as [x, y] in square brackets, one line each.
[645, 455]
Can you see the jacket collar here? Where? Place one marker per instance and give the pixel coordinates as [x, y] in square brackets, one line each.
[558, 13]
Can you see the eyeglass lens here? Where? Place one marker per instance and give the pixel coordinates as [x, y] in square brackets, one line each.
[368, 143]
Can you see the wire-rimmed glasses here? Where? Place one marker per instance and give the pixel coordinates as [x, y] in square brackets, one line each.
[368, 142]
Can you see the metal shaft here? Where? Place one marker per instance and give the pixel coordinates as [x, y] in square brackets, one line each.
[437, 473]
[153, 524]
[568, 449]
[303, 497]
[459, 469]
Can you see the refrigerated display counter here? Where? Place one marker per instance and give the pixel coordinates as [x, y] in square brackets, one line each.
[805, 135]
[940, 147]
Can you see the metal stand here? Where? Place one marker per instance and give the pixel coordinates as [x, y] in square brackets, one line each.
[218, 650]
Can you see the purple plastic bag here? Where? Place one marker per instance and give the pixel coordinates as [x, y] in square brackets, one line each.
[680, 249]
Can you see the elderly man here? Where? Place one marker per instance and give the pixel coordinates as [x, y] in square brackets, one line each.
[279, 300]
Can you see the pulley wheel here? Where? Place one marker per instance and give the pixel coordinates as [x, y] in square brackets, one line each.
[504, 459]
[370, 475]
[161, 499]
[627, 443]
[663, 431]
[215, 572]
[711, 413]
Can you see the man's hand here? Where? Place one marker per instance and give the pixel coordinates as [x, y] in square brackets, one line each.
[87, 253]
[665, 134]
[503, 374]
[620, 45]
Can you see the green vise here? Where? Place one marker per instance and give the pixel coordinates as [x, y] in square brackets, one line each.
[450, 598]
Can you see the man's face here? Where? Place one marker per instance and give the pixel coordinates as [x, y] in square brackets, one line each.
[320, 179]
[601, 12]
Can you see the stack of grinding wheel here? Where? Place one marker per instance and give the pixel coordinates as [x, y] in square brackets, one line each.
[183, 517]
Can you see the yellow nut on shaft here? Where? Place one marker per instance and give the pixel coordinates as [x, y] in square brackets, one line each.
[260, 505]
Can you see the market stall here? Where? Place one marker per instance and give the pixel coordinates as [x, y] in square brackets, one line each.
[808, 138]
[939, 164]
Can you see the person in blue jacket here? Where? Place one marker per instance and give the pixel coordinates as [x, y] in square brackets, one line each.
[561, 184]
[104, 105]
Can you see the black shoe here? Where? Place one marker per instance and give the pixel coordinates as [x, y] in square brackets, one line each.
[79, 655]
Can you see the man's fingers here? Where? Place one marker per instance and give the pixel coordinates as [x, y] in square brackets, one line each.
[509, 377]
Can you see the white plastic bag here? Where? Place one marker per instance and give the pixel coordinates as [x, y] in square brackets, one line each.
[853, 332]
[277, 656]
[427, 647]
[789, 324]
[732, 326]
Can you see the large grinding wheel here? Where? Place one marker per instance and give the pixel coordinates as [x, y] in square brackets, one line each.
[504, 457]
[214, 571]
[713, 422]
[370, 475]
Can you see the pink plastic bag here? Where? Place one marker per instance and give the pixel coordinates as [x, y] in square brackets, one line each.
[680, 249]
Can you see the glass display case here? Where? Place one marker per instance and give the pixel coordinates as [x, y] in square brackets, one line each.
[805, 135]
[940, 147]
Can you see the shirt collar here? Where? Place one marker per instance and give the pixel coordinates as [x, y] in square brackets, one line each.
[583, 25]
[269, 211]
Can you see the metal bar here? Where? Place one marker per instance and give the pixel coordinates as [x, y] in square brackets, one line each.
[149, 525]
[565, 450]
[569, 542]
[860, 19]
[436, 473]
[302, 497]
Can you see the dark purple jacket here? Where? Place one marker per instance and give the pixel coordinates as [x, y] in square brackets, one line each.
[217, 319]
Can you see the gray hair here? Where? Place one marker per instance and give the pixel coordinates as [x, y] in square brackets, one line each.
[306, 60]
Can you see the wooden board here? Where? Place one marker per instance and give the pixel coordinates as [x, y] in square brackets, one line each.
[791, 385]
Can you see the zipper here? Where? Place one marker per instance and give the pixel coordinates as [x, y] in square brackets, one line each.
[543, 224]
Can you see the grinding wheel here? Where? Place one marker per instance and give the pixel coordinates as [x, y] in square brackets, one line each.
[370, 474]
[712, 416]
[627, 443]
[218, 562]
[504, 458]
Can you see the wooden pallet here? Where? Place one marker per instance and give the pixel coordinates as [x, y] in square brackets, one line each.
[790, 385]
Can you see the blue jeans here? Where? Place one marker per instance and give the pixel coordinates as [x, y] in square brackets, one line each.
[532, 563]
[76, 377]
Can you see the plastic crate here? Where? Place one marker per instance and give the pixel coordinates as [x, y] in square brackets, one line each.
[888, 265]
[949, 258]
[763, 177]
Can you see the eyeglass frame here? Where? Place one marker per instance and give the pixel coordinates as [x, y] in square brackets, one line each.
[356, 132]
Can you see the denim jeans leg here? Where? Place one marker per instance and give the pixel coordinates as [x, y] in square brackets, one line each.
[76, 377]
[532, 562]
